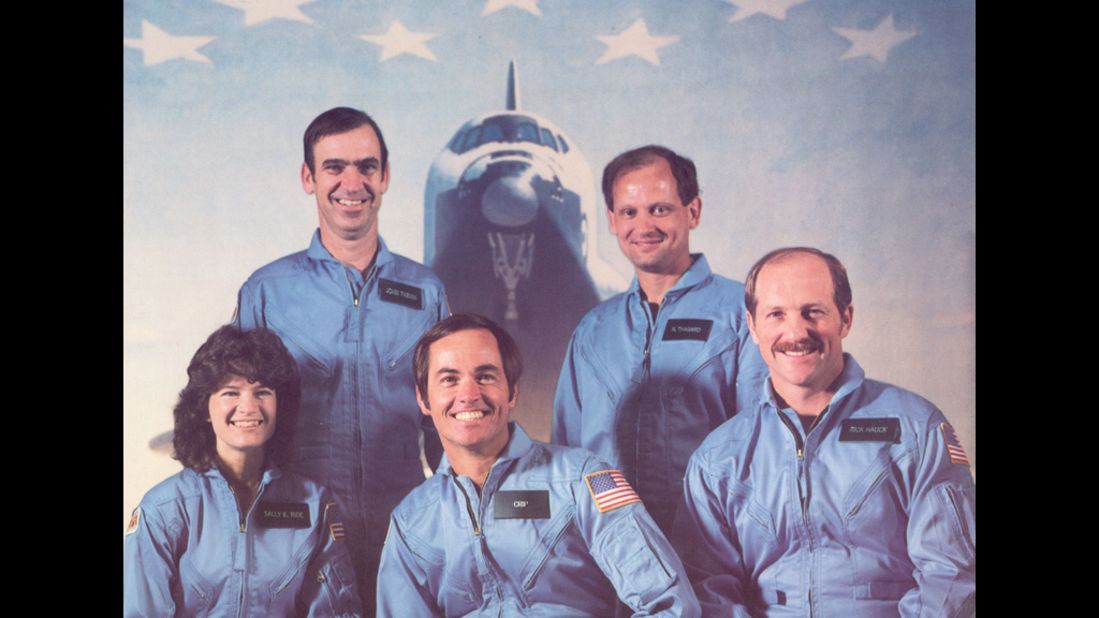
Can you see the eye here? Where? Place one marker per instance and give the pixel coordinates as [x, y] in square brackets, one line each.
[775, 314]
[627, 213]
[448, 380]
[368, 167]
[660, 210]
[333, 168]
[487, 378]
[228, 392]
[265, 392]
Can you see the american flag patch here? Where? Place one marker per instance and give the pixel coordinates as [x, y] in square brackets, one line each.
[610, 490]
[953, 446]
[336, 530]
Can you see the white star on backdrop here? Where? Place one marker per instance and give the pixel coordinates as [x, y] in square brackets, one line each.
[158, 46]
[772, 8]
[875, 43]
[634, 41]
[530, 6]
[259, 11]
[400, 40]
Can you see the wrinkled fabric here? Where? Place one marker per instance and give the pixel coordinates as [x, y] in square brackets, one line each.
[448, 554]
[186, 553]
[850, 528]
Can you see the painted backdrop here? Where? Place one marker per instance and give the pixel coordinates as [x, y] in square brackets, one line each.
[843, 124]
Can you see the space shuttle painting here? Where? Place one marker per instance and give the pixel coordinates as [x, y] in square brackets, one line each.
[510, 210]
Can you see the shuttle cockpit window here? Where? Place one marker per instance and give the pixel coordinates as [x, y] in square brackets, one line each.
[547, 138]
[564, 144]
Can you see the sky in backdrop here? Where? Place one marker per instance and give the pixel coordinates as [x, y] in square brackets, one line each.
[847, 125]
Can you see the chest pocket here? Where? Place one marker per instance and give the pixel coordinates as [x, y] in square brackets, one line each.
[199, 596]
[313, 361]
[878, 495]
[543, 551]
[280, 586]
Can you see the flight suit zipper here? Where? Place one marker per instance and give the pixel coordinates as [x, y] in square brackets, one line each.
[469, 508]
[244, 530]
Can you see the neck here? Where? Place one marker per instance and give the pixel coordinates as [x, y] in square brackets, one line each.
[356, 253]
[476, 465]
[242, 470]
[806, 401]
[655, 285]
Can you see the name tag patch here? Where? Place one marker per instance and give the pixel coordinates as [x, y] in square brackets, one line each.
[282, 515]
[871, 430]
[695, 330]
[529, 504]
[407, 295]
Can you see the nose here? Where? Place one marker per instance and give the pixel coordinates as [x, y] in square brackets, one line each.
[247, 402]
[469, 390]
[796, 327]
[352, 178]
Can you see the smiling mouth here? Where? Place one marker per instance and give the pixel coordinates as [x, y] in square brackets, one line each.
[470, 415]
[246, 424]
[797, 350]
[346, 202]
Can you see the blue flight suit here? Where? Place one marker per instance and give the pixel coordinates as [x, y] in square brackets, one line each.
[870, 513]
[450, 550]
[187, 554]
[352, 337]
[643, 394]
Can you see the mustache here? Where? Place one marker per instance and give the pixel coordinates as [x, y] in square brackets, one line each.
[808, 344]
[365, 189]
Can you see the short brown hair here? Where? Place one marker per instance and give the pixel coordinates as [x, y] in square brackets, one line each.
[509, 352]
[841, 287]
[683, 170]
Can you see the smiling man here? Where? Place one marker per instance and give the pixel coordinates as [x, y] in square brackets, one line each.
[649, 373]
[350, 312]
[509, 526]
[833, 495]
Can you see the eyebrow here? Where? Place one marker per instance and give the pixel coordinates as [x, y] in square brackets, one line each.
[345, 162]
[477, 369]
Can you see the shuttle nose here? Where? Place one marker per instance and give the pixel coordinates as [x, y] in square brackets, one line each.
[510, 201]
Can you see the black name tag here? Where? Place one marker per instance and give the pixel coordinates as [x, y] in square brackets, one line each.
[530, 504]
[871, 430]
[407, 295]
[697, 330]
[282, 515]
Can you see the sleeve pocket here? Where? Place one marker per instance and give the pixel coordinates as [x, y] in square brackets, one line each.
[635, 569]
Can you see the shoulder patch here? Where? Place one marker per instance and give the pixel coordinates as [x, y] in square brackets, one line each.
[953, 445]
[135, 521]
[610, 490]
[335, 529]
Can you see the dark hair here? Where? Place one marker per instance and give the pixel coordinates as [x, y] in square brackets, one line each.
[335, 121]
[509, 352]
[683, 169]
[841, 287]
[256, 355]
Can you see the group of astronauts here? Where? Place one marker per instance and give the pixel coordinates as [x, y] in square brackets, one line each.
[714, 451]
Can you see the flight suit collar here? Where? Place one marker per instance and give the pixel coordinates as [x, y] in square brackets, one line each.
[518, 445]
[317, 251]
[851, 378]
[696, 274]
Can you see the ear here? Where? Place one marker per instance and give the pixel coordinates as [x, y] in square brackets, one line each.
[847, 317]
[514, 397]
[751, 325]
[385, 179]
[694, 212]
[307, 179]
[424, 406]
[610, 221]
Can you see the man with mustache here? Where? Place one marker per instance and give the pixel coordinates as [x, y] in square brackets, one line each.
[508, 526]
[649, 373]
[832, 495]
[350, 312]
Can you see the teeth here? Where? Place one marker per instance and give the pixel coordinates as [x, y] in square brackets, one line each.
[245, 424]
[798, 352]
[469, 416]
[350, 202]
